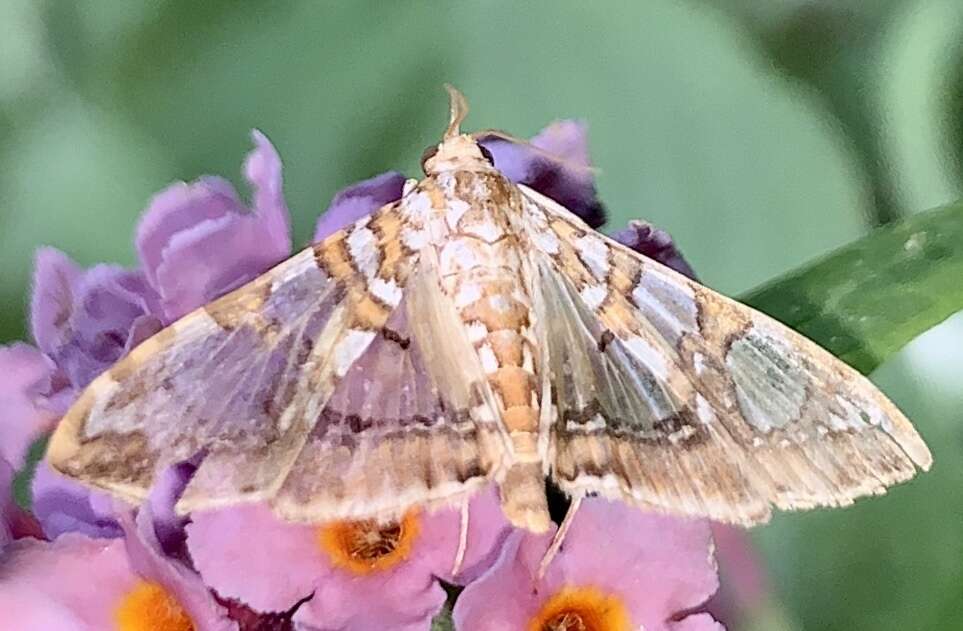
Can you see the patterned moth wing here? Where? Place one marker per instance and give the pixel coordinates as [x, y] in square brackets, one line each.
[673, 397]
[263, 385]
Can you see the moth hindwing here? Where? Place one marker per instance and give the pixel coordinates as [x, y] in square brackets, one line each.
[476, 331]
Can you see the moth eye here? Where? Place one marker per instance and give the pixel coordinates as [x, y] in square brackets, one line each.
[427, 155]
[487, 154]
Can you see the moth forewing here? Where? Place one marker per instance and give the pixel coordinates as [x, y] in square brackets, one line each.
[699, 405]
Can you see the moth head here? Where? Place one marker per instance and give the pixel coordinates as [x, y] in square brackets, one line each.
[457, 151]
[460, 153]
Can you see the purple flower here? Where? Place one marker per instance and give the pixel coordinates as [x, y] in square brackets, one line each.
[555, 162]
[656, 244]
[25, 374]
[358, 575]
[358, 200]
[619, 569]
[198, 241]
[77, 584]
[85, 320]
[745, 586]
[63, 505]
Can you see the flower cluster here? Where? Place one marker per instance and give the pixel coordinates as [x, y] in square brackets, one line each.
[79, 561]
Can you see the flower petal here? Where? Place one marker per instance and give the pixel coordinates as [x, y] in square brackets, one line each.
[55, 280]
[661, 565]
[555, 163]
[148, 560]
[358, 200]
[22, 421]
[745, 585]
[78, 581]
[109, 300]
[7, 505]
[487, 530]
[503, 598]
[247, 553]
[63, 505]
[654, 243]
[393, 600]
[262, 168]
[696, 622]
[198, 241]
[656, 566]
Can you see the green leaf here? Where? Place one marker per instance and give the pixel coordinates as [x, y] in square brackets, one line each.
[868, 299]
[443, 621]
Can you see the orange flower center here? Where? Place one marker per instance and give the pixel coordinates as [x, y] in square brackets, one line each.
[367, 546]
[581, 609]
[149, 607]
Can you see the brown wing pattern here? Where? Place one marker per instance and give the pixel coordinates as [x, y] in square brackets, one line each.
[413, 422]
[673, 397]
[262, 382]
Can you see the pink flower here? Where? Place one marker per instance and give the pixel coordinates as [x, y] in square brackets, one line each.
[619, 569]
[198, 241]
[745, 584]
[358, 575]
[25, 373]
[81, 584]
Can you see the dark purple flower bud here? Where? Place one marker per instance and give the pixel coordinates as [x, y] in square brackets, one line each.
[656, 244]
[556, 164]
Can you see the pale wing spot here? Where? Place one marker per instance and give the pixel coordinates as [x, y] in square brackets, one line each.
[545, 240]
[699, 363]
[458, 255]
[770, 384]
[594, 295]
[364, 250]
[528, 360]
[409, 186]
[541, 235]
[488, 359]
[594, 253]
[414, 238]
[596, 423]
[477, 332]
[704, 410]
[456, 210]
[650, 356]
[669, 304]
[468, 294]
[499, 303]
[488, 231]
[872, 414]
[349, 348]
[387, 291]
[419, 205]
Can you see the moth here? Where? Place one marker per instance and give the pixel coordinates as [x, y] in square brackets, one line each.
[473, 332]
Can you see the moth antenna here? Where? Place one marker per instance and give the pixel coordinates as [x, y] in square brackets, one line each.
[458, 110]
[559, 537]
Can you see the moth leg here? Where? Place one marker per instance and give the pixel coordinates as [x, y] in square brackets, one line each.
[559, 537]
[524, 501]
[462, 540]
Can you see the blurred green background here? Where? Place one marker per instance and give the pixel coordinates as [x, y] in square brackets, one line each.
[760, 133]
